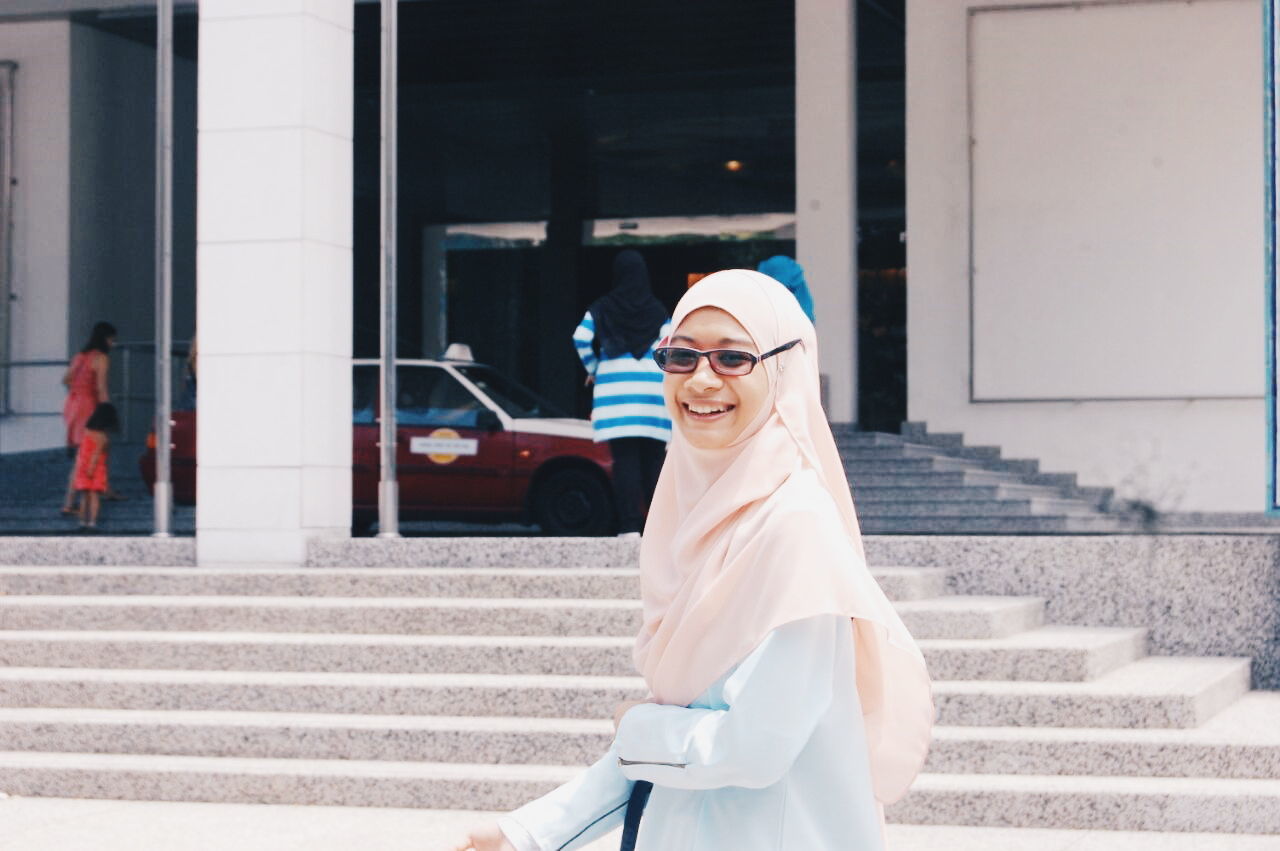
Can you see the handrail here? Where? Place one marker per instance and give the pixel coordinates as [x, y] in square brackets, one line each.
[123, 376]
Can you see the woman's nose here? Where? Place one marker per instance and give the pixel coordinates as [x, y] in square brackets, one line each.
[704, 377]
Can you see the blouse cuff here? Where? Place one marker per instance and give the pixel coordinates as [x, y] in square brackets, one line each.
[517, 835]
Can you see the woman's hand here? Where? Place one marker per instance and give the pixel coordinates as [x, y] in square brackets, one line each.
[622, 710]
[488, 837]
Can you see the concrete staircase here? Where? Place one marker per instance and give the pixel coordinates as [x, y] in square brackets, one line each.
[482, 687]
[923, 483]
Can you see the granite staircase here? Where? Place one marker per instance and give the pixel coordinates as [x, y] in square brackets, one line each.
[919, 482]
[482, 687]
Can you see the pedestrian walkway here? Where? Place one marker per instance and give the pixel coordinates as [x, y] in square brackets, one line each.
[59, 824]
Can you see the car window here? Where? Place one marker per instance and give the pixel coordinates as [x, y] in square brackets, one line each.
[517, 400]
[364, 395]
[431, 396]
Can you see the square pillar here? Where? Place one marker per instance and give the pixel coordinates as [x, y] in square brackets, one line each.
[273, 263]
[826, 189]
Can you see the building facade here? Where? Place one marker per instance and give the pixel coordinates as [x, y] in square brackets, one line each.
[1084, 216]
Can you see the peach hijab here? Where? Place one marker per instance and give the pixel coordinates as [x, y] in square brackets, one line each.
[744, 539]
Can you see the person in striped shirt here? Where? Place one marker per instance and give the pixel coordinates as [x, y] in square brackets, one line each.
[615, 341]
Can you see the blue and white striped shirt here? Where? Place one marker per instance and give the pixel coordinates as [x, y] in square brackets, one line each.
[627, 399]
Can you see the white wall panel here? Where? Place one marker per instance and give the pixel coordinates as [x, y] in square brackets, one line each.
[1116, 211]
[38, 324]
[1181, 455]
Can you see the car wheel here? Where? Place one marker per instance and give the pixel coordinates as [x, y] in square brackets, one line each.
[573, 503]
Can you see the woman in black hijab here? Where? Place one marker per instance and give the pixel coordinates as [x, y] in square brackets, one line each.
[615, 341]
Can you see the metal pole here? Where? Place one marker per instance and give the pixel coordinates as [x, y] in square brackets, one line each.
[388, 490]
[164, 263]
[8, 71]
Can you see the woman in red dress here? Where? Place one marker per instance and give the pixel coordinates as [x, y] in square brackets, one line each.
[86, 382]
[89, 478]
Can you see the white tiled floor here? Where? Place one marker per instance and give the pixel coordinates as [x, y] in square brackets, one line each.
[53, 824]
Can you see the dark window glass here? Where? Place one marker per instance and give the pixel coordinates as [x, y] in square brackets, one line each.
[517, 400]
[429, 396]
[364, 395]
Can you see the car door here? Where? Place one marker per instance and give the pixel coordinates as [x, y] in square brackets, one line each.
[448, 459]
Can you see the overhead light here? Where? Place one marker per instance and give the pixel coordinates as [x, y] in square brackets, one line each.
[733, 165]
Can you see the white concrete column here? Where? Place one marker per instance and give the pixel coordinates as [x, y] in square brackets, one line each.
[273, 277]
[826, 188]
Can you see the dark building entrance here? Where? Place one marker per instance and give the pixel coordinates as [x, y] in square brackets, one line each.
[568, 112]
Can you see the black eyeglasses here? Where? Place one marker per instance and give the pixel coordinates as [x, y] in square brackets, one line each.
[679, 359]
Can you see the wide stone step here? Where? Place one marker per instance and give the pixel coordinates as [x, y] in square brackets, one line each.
[386, 615]
[867, 438]
[976, 508]
[971, 616]
[1050, 653]
[865, 494]
[339, 782]
[962, 478]
[911, 583]
[1159, 691]
[909, 525]
[856, 467]
[1149, 693]
[284, 735]
[1241, 741]
[1197, 804]
[1113, 803]
[592, 697]
[560, 583]
[942, 617]
[526, 582]
[888, 451]
[907, 449]
[336, 652]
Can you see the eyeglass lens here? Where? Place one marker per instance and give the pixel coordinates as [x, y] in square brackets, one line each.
[723, 361]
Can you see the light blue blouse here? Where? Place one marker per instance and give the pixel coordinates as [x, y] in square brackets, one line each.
[772, 756]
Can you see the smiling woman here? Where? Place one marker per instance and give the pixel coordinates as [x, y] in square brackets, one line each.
[788, 703]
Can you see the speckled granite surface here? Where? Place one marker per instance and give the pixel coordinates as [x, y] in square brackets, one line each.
[1199, 595]
[100, 549]
[472, 552]
[589, 698]
[1112, 803]
[277, 735]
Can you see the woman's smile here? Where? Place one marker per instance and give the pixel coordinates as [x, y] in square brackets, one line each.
[706, 411]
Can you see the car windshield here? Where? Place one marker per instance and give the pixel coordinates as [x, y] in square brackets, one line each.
[518, 401]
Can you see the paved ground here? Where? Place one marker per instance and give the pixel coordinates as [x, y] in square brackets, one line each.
[54, 824]
[32, 485]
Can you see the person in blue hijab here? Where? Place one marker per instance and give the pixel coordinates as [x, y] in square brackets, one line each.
[789, 273]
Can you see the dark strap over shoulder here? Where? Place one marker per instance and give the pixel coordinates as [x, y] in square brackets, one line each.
[635, 807]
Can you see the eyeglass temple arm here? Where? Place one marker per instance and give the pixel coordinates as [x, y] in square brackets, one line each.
[779, 350]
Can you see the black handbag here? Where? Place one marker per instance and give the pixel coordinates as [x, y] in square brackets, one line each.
[635, 808]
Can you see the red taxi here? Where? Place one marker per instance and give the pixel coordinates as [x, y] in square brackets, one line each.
[471, 445]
